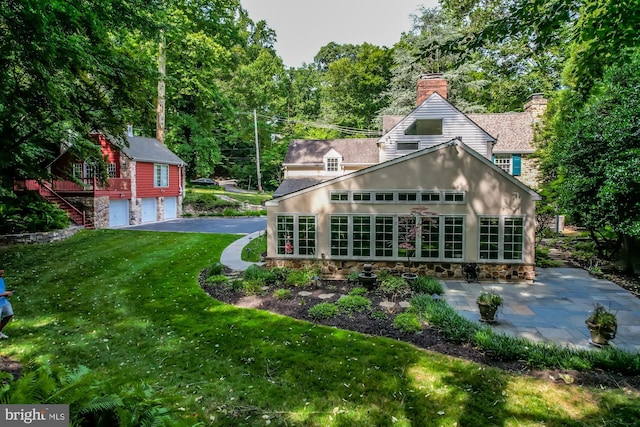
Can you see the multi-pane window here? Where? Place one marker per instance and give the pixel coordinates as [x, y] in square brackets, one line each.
[407, 236]
[306, 235]
[453, 237]
[296, 235]
[407, 197]
[161, 175]
[284, 234]
[430, 236]
[77, 170]
[384, 236]
[501, 238]
[361, 197]
[454, 197]
[333, 164]
[513, 238]
[339, 196]
[384, 197]
[361, 236]
[340, 235]
[430, 197]
[503, 162]
[489, 238]
[111, 170]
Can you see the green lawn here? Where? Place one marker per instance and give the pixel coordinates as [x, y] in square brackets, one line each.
[251, 198]
[127, 305]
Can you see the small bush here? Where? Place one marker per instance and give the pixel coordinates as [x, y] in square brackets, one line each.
[282, 294]
[215, 270]
[353, 277]
[379, 315]
[256, 273]
[358, 291]
[300, 278]
[29, 214]
[253, 286]
[427, 285]
[543, 260]
[217, 280]
[324, 310]
[354, 304]
[408, 323]
[394, 287]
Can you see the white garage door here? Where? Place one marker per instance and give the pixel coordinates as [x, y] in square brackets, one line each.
[118, 213]
[170, 207]
[149, 212]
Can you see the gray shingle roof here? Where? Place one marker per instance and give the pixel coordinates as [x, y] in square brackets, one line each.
[150, 150]
[353, 150]
[514, 131]
[290, 185]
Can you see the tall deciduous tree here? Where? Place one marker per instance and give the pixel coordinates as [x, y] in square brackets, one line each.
[63, 74]
[598, 153]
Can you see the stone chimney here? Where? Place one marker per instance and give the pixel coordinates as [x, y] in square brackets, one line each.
[430, 83]
[536, 105]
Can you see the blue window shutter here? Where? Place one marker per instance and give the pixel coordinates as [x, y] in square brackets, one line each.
[493, 159]
[516, 164]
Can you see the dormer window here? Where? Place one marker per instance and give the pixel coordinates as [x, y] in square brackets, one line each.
[333, 164]
[332, 161]
[425, 127]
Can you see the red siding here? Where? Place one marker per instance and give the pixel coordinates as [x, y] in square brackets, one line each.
[145, 182]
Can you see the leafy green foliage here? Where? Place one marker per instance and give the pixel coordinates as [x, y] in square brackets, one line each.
[282, 294]
[354, 304]
[427, 285]
[394, 287]
[407, 323]
[324, 310]
[302, 277]
[253, 251]
[30, 213]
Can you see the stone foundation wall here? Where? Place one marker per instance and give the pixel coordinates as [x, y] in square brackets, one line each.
[341, 269]
[42, 237]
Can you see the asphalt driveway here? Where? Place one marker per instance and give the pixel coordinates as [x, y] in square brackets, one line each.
[220, 225]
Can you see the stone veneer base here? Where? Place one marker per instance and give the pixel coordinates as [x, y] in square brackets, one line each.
[441, 270]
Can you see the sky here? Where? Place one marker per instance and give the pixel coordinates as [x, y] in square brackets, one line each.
[304, 26]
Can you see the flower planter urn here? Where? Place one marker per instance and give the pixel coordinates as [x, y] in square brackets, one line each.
[600, 336]
[487, 312]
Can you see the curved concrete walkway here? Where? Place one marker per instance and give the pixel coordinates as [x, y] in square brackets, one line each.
[232, 254]
[552, 309]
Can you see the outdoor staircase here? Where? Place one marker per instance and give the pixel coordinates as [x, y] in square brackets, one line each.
[77, 216]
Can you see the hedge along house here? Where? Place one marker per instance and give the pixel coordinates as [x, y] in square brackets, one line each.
[430, 211]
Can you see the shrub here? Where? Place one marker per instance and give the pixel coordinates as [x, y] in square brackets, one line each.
[427, 285]
[543, 260]
[408, 323]
[353, 277]
[217, 280]
[379, 315]
[253, 286]
[214, 270]
[29, 214]
[354, 304]
[358, 291]
[394, 287]
[282, 294]
[300, 278]
[324, 310]
[257, 273]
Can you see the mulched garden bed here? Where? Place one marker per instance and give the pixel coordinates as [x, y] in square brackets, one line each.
[430, 339]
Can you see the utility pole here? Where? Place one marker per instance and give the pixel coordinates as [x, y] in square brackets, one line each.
[255, 127]
[162, 72]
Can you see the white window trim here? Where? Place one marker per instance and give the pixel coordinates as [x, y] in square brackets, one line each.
[394, 256]
[295, 237]
[501, 226]
[396, 197]
[504, 160]
[162, 167]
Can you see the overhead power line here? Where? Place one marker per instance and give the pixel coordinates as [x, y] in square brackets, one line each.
[343, 129]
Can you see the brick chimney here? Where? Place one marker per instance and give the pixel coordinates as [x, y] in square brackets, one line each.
[430, 83]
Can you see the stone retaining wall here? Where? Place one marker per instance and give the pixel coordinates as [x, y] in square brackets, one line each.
[341, 269]
[42, 237]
